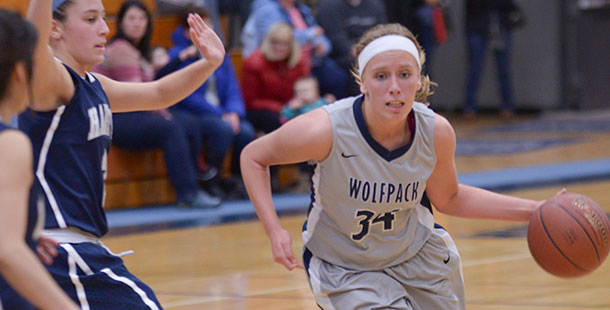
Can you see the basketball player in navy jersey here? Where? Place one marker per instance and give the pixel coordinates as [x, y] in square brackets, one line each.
[70, 124]
[22, 275]
[382, 160]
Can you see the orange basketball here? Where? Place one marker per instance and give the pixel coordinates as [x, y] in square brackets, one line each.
[569, 235]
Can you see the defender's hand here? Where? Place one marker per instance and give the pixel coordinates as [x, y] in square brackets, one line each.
[46, 249]
[206, 40]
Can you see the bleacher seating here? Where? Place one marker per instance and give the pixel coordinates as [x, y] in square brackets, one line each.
[162, 25]
[134, 178]
[137, 178]
[15, 5]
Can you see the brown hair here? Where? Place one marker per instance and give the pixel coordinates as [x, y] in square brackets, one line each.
[17, 43]
[184, 14]
[396, 29]
[60, 12]
[295, 50]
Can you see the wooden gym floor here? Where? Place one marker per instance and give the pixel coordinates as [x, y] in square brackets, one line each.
[229, 266]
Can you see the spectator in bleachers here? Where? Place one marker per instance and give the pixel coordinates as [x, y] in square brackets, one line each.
[159, 58]
[176, 7]
[250, 36]
[219, 107]
[268, 76]
[253, 6]
[489, 25]
[306, 98]
[128, 58]
[344, 21]
[428, 19]
[307, 33]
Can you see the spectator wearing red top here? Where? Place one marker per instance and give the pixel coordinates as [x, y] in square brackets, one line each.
[268, 76]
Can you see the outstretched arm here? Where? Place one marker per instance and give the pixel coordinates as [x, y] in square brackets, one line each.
[172, 88]
[52, 83]
[18, 264]
[308, 136]
[462, 200]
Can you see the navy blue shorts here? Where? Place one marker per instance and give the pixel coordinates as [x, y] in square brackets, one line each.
[97, 279]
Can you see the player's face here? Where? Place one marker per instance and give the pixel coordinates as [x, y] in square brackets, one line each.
[84, 31]
[134, 23]
[390, 81]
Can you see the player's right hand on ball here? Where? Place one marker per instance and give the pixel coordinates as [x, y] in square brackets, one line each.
[281, 244]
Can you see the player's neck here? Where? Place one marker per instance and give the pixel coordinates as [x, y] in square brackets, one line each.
[69, 60]
[393, 141]
[8, 105]
[5, 112]
[390, 134]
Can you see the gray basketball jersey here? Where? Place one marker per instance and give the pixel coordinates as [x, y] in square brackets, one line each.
[369, 209]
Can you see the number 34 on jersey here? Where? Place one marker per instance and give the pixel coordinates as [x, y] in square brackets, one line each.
[369, 218]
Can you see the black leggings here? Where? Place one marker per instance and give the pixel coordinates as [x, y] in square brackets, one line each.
[264, 120]
[179, 138]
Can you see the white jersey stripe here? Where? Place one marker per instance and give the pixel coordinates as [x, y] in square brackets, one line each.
[133, 286]
[314, 213]
[41, 165]
[79, 260]
[73, 260]
[424, 216]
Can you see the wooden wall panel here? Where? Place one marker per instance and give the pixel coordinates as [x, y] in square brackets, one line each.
[136, 193]
[112, 6]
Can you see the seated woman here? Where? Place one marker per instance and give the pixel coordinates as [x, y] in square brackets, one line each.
[269, 74]
[128, 58]
[307, 33]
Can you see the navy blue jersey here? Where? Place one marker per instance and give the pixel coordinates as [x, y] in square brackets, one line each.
[70, 148]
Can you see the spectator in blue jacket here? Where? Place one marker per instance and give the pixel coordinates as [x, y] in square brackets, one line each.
[218, 104]
[307, 32]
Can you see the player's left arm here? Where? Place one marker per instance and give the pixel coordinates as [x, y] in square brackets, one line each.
[125, 97]
[450, 197]
[18, 264]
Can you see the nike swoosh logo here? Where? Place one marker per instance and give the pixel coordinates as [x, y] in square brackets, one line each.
[447, 260]
[348, 156]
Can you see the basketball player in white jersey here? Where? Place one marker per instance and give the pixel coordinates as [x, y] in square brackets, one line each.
[381, 160]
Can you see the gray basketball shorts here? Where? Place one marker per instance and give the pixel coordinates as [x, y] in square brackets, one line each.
[432, 279]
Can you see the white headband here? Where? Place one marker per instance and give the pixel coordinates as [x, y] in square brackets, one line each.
[387, 43]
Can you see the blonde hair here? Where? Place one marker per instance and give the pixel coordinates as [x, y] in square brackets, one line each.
[427, 86]
[278, 29]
